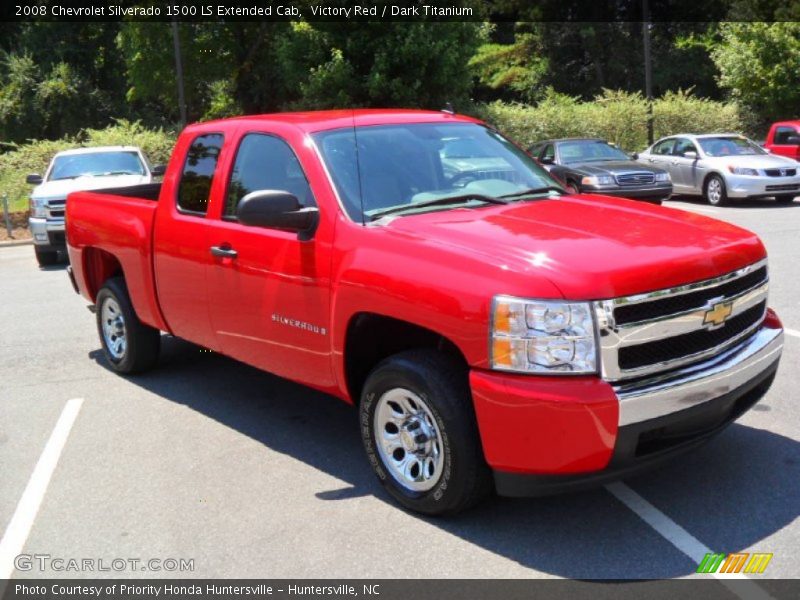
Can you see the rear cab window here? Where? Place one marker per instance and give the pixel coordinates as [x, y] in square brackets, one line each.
[198, 174]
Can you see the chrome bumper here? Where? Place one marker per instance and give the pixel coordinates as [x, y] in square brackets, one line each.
[40, 228]
[691, 386]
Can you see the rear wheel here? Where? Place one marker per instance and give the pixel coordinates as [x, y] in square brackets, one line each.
[130, 346]
[420, 434]
[715, 191]
[45, 258]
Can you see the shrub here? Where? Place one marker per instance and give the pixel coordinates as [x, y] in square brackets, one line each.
[34, 156]
[617, 116]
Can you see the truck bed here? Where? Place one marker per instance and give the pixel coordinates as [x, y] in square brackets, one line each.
[109, 232]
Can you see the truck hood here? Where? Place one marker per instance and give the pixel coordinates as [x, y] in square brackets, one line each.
[61, 187]
[589, 247]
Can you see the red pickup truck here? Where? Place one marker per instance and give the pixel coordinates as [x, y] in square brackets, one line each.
[493, 330]
[784, 139]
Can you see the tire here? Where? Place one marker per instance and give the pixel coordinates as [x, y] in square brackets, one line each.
[573, 188]
[423, 398]
[715, 192]
[785, 199]
[129, 345]
[46, 258]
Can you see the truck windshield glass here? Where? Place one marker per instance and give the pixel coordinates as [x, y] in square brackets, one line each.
[590, 151]
[420, 165]
[729, 146]
[96, 164]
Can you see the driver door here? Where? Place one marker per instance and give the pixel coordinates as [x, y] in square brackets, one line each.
[269, 296]
[683, 169]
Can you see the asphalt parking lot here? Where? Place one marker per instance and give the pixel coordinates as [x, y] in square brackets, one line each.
[249, 475]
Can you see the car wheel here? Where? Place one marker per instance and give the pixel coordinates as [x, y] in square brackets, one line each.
[420, 434]
[573, 187]
[785, 199]
[715, 192]
[129, 345]
[45, 258]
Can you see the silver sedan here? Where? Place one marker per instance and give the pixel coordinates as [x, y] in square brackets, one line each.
[720, 167]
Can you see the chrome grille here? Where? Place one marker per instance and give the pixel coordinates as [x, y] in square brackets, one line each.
[783, 172]
[640, 178]
[662, 330]
[55, 209]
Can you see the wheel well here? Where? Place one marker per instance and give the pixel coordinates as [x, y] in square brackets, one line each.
[372, 338]
[99, 266]
[709, 176]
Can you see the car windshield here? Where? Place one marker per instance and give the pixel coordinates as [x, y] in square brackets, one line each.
[96, 164]
[729, 146]
[417, 167]
[589, 151]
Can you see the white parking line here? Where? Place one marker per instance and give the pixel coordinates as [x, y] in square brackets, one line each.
[28, 506]
[792, 332]
[683, 540]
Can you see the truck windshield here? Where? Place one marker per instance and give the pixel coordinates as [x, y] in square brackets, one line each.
[419, 166]
[96, 164]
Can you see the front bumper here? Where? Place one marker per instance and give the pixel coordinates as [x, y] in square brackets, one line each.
[48, 232]
[649, 193]
[741, 186]
[542, 436]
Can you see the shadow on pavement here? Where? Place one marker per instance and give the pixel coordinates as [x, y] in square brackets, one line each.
[730, 494]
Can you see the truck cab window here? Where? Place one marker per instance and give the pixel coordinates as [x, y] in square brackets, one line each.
[198, 173]
[265, 162]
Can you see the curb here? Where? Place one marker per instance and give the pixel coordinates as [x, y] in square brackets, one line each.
[16, 243]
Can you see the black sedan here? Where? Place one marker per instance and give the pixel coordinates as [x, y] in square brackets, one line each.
[594, 166]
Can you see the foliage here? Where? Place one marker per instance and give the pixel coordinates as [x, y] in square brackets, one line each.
[758, 64]
[616, 116]
[34, 156]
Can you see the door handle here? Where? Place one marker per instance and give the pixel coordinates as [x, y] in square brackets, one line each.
[224, 251]
[674, 162]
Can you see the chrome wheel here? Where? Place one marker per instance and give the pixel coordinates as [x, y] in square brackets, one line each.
[113, 328]
[714, 191]
[408, 440]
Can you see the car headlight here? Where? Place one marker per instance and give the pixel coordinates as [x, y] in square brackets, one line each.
[663, 176]
[597, 180]
[743, 171]
[37, 207]
[542, 336]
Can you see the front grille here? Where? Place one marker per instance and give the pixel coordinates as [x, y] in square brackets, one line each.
[642, 178]
[660, 351]
[670, 305]
[783, 188]
[780, 172]
[56, 213]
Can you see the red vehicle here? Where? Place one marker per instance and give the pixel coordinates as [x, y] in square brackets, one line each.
[784, 139]
[494, 330]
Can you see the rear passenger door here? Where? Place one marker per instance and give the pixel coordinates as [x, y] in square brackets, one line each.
[181, 240]
[269, 299]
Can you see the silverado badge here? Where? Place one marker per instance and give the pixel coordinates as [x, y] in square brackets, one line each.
[716, 315]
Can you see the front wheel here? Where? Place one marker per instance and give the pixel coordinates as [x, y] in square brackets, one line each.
[716, 193]
[46, 258]
[130, 346]
[420, 434]
[785, 199]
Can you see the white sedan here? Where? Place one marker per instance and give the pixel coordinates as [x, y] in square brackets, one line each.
[720, 167]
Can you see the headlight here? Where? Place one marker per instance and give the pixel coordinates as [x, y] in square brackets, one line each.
[663, 176]
[542, 336]
[742, 171]
[598, 180]
[37, 207]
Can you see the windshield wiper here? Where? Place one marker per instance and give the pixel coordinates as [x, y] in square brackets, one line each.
[534, 191]
[437, 202]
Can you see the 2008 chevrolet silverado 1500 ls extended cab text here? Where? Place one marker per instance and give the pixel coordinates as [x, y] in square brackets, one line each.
[494, 331]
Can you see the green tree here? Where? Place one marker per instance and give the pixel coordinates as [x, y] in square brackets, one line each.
[759, 63]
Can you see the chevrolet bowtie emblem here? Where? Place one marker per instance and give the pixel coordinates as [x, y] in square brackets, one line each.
[717, 314]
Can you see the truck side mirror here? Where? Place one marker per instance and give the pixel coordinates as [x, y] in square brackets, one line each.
[278, 209]
[158, 170]
[33, 179]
